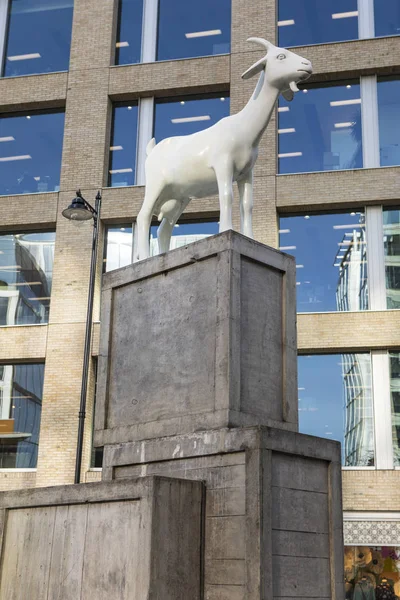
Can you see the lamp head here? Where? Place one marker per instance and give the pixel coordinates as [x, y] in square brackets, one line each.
[78, 209]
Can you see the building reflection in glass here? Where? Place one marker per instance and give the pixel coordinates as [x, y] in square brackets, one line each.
[321, 131]
[21, 388]
[335, 402]
[391, 240]
[26, 269]
[331, 260]
[395, 403]
[118, 247]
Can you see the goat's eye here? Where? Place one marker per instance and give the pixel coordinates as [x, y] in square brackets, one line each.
[281, 56]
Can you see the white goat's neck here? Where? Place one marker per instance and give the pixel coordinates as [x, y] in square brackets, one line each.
[258, 111]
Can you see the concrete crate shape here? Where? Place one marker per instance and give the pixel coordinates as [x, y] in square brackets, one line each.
[130, 540]
[199, 338]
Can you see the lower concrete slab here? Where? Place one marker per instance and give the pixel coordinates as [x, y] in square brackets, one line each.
[129, 540]
[273, 526]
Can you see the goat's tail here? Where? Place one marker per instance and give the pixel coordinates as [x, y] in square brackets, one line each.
[150, 146]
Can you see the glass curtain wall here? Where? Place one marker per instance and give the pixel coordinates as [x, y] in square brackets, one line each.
[389, 121]
[21, 389]
[38, 37]
[306, 22]
[184, 233]
[188, 114]
[118, 247]
[26, 272]
[394, 366]
[391, 240]
[331, 260]
[335, 402]
[321, 130]
[30, 152]
[122, 165]
[129, 32]
[190, 29]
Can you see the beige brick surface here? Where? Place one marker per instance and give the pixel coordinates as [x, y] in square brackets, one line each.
[337, 189]
[86, 92]
[329, 332]
[23, 342]
[371, 490]
[47, 90]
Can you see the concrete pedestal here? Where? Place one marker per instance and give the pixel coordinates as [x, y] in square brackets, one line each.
[273, 527]
[202, 337]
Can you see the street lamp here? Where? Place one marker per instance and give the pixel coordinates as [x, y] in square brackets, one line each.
[81, 210]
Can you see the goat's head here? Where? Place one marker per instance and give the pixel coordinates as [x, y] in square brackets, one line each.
[284, 69]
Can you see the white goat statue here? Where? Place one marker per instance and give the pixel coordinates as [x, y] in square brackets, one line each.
[204, 163]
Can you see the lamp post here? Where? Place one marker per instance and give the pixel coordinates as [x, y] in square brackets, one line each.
[81, 210]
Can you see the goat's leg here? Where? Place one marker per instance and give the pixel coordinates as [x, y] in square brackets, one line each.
[224, 174]
[166, 228]
[245, 186]
[164, 233]
[142, 234]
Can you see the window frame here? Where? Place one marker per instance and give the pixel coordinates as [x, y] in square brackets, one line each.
[381, 409]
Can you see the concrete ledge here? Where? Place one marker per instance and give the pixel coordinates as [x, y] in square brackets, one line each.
[329, 332]
[23, 342]
[337, 189]
[47, 90]
[187, 76]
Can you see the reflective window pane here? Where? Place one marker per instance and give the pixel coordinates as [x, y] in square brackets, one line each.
[129, 32]
[122, 168]
[26, 272]
[39, 37]
[331, 260]
[304, 22]
[21, 388]
[184, 233]
[372, 571]
[118, 247]
[321, 129]
[335, 402]
[389, 120]
[187, 115]
[30, 152]
[188, 29]
[387, 17]
[391, 240]
[395, 402]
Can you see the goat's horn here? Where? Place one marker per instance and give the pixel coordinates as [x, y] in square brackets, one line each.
[264, 43]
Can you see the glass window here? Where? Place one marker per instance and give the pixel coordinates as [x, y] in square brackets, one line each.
[335, 402]
[331, 260]
[387, 17]
[372, 571]
[122, 170]
[395, 401]
[304, 22]
[187, 115]
[26, 272]
[129, 32]
[185, 233]
[38, 37]
[389, 122]
[391, 239]
[21, 388]
[188, 29]
[321, 129]
[118, 247]
[30, 152]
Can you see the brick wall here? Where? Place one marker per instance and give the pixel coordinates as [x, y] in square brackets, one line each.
[87, 92]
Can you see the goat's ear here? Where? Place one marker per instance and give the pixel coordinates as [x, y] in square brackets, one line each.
[288, 95]
[256, 68]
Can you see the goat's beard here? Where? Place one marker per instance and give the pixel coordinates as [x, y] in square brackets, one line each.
[293, 86]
